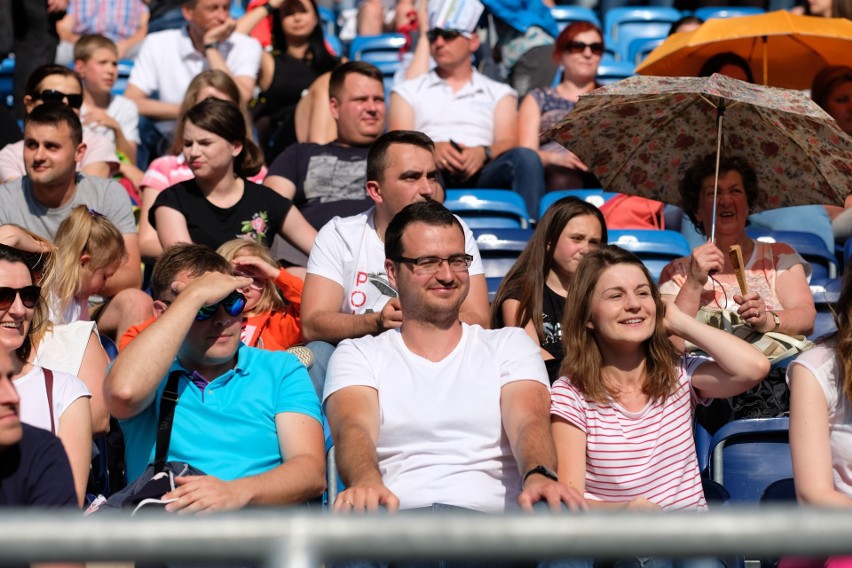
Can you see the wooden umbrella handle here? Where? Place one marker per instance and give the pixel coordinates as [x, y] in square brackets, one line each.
[736, 254]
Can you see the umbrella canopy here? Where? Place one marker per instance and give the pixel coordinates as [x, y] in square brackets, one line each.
[640, 135]
[792, 48]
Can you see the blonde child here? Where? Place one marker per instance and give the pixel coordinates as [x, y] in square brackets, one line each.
[268, 321]
[89, 250]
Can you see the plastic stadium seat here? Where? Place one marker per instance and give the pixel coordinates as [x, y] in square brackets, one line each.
[702, 445]
[7, 81]
[499, 248]
[565, 15]
[610, 72]
[596, 197]
[655, 248]
[326, 16]
[237, 9]
[125, 66]
[810, 246]
[748, 455]
[640, 48]
[826, 292]
[781, 491]
[488, 208]
[727, 11]
[714, 493]
[383, 51]
[109, 347]
[625, 24]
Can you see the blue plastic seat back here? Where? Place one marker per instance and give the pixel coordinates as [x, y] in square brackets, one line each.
[379, 47]
[625, 24]
[810, 246]
[7, 82]
[596, 197]
[327, 20]
[640, 48]
[125, 66]
[748, 455]
[610, 72]
[781, 491]
[565, 15]
[709, 12]
[715, 493]
[488, 208]
[500, 248]
[655, 248]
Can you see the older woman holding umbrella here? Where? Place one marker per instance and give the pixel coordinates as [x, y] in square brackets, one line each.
[778, 297]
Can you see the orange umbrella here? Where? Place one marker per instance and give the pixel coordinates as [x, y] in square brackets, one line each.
[784, 50]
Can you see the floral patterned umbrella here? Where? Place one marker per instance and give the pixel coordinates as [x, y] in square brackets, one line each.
[640, 135]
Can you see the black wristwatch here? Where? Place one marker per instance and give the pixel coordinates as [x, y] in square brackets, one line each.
[488, 156]
[212, 45]
[541, 470]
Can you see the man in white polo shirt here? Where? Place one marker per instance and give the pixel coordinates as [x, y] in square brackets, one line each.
[168, 61]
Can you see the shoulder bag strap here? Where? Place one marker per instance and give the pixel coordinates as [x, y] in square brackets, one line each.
[48, 385]
[168, 402]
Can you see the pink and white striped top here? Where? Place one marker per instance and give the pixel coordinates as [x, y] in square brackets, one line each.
[648, 454]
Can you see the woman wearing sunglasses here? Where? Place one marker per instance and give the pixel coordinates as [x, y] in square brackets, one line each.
[56, 84]
[578, 49]
[219, 203]
[50, 400]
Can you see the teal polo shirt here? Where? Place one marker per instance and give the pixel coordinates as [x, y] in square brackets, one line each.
[226, 430]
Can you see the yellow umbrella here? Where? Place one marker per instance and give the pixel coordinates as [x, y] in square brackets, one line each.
[784, 50]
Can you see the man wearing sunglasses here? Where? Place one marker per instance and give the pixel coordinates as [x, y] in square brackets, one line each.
[57, 84]
[248, 418]
[438, 413]
[471, 118]
[41, 200]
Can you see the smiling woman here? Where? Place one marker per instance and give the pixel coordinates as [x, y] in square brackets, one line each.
[54, 401]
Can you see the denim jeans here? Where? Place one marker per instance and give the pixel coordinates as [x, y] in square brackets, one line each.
[322, 353]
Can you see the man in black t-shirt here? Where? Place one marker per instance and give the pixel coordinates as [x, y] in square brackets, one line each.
[327, 180]
[34, 469]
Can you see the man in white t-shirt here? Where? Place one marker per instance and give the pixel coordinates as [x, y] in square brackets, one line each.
[407, 432]
[347, 293]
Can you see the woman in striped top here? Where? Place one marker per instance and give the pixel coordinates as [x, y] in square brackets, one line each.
[622, 411]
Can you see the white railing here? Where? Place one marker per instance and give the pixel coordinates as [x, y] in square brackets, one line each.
[284, 538]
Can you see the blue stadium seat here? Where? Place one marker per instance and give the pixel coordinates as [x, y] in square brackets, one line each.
[826, 292]
[565, 14]
[109, 347]
[655, 248]
[237, 9]
[499, 249]
[702, 445]
[625, 24]
[810, 246]
[383, 51]
[781, 491]
[640, 48]
[7, 82]
[610, 72]
[125, 66]
[488, 208]
[748, 455]
[327, 20]
[596, 197]
[708, 12]
[715, 493]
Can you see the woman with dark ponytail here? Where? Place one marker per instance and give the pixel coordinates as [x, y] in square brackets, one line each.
[220, 203]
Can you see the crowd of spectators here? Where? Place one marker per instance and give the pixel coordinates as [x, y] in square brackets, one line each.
[256, 223]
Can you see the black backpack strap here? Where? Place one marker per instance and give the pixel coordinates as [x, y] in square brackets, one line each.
[48, 386]
[168, 402]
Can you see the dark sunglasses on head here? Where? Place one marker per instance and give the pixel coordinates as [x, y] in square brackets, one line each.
[29, 296]
[579, 47]
[51, 96]
[233, 304]
[447, 35]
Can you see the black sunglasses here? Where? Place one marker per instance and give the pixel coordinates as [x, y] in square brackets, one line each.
[579, 47]
[447, 35]
[233, 304]
[51, 96]
[29, 296]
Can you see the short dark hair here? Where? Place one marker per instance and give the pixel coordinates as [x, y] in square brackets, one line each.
[428, 212]
[37, 76]
[377, 155]
[197, 259]
[54, 115]
[715, 64]
[338, 76]
[690, 186]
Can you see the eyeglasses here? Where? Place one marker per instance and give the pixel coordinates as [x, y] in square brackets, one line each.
[233, 304]
[447, 35]
[424, 265]
[51, 96]
[580, 47]
[29, 296]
